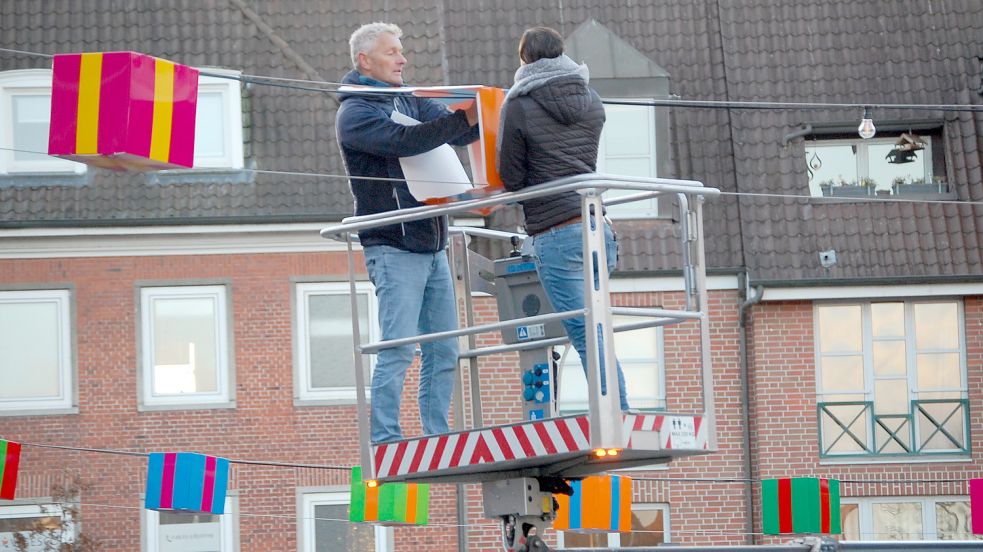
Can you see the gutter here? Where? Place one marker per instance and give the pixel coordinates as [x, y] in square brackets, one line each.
[325, 218]
[860, 281]
[748, 298]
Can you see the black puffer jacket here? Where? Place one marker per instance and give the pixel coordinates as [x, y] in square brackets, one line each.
[550, 132]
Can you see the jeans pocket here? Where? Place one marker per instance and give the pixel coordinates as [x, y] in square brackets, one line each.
[372, 264]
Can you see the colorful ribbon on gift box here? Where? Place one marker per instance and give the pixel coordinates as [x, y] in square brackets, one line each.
[186, 481]
[389, 503]
[800, 505]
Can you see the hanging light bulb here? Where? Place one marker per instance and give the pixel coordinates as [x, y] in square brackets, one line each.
[866, 128]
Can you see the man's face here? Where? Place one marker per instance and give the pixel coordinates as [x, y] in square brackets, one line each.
[385, 61]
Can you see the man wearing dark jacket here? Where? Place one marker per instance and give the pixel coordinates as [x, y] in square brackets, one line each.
[407, 262]
[551, 127]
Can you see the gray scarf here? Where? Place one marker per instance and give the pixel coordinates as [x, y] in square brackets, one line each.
[531, 76]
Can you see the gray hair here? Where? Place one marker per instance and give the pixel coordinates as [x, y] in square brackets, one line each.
[363, 39]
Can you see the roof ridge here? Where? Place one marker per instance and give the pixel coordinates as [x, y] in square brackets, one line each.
[280, 43]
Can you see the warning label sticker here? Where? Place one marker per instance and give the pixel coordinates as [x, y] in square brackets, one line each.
[682, 432]
[535, 331]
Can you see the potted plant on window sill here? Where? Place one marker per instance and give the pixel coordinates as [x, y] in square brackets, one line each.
[919, 187]
[826, 187]
[852, 189]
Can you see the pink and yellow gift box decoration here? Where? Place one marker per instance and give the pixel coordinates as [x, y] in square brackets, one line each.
[599, 503]
[123, 110]
[186, 481]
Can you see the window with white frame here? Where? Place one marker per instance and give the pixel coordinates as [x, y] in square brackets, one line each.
[185, 346]
[36, 365]
[858, 167]
[324, 526]
[25, 113]
[176, 531]
[649, 527]
[628, 148]
[906, 518]
[324, 360]
[891, 378]
[640, 353]
[218, 122]
[39, 527]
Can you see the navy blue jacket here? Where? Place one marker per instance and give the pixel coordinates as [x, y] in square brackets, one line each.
[371, 145]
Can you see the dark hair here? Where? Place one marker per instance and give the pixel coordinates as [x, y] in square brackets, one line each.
[538, 43]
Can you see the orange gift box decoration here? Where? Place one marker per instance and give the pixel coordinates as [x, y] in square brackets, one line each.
[599, 503]
[123, 110]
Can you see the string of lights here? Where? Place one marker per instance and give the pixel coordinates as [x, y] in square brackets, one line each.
[144, 454]
[333, 87]
[80, 504]
[478, 525]
[824, 199]
[743, 480]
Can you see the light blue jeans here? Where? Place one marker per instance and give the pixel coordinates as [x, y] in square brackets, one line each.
[416, 296]
[560, 264]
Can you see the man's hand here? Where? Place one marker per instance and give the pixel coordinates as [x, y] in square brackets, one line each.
[472, 113]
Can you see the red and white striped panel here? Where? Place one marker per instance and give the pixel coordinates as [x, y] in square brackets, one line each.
[665, 432]
[532, 439]
[498, 444]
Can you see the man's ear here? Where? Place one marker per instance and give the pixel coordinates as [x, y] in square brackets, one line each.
[363, 60]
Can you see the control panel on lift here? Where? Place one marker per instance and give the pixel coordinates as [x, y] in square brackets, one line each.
[520, 294]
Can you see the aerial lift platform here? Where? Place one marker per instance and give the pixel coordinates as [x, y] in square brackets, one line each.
[521, 464]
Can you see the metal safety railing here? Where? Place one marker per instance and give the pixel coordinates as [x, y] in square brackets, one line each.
[931, 426]
[604, 408]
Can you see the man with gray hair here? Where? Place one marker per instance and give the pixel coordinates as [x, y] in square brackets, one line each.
[407, 262]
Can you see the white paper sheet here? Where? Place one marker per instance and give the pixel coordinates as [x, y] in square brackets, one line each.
[436, 173]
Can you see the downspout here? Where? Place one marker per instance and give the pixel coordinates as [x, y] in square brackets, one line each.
[748, 298]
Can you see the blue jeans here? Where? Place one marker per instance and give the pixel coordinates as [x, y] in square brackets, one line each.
[416, 296]
[560, 264]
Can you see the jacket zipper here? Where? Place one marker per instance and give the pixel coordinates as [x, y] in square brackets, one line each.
[440, 232]
[437, 220]
[402, 226]
[398, 206]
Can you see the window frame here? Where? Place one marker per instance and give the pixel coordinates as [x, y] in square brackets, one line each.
[866, 397]
[303, 392]
[643, 209]
[309, 497]
[863, 159]
[223, 397]
[41, 508]
[228, 527]
[66, 400]
[928, 503]
[25, 82]
[231, 93]
[614, 539]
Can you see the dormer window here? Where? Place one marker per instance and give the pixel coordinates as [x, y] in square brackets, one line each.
[25, 110]
[898, 163]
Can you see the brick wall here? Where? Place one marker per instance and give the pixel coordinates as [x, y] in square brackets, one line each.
[784, 417]
[265, 424]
